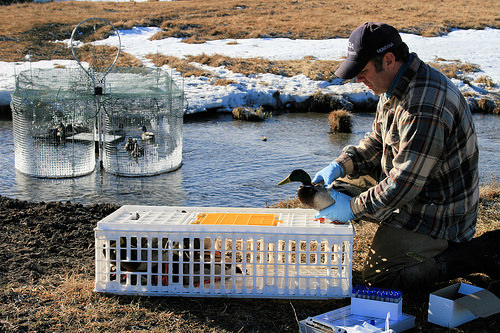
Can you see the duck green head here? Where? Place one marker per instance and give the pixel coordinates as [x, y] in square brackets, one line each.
[314, 196]
[297, 175]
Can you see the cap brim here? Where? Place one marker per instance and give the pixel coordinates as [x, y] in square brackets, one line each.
[350, 68]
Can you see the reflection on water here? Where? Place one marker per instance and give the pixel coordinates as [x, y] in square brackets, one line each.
[225, 163]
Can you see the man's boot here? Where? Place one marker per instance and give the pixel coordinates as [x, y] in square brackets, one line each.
[479, 255]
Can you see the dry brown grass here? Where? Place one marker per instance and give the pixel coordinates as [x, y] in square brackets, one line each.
[101, 57]
[454, 68]
[340, 121]
[182, 65]
[489, 208]
[490, 191]
[224, 82]
[313, 69]
[65, 303]
[249, 114]
[32, 27]
[485, 80]
[325, 103]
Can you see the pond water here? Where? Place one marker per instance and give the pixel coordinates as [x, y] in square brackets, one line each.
[226, 163]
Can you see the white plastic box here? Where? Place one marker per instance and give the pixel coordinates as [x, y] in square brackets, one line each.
[344, 320]
[166, 251]
[460, 303]
[378, 309]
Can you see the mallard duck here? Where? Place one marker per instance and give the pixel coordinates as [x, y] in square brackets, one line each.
[58, 134]
[130, 261]
[130, 145]
[138, 151]
[145, 135]
[311, 195]
[133, 147]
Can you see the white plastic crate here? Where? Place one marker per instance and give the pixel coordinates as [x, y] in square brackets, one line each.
[164, 251]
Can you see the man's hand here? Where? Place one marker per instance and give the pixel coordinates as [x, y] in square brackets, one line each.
[329, 174]
[340, 210]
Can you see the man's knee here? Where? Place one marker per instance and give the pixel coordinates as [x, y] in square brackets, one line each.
[409, 277]
[402, 259]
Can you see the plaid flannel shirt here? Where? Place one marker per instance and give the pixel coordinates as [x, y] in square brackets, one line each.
[424, 142]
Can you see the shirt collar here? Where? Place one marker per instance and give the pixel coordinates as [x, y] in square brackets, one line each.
[398, 76]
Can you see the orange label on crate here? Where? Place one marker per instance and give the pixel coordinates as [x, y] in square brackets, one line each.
[236, 219]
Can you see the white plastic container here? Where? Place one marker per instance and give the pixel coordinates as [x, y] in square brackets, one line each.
[167, 251]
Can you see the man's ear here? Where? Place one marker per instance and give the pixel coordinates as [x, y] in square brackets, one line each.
[389, 61]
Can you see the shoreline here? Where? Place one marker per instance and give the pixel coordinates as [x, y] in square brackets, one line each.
[324, 103]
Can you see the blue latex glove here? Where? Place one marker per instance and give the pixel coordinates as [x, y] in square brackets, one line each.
[340, 211]
[329, 174]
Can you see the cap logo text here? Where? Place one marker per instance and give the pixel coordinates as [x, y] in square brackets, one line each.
[383, 48]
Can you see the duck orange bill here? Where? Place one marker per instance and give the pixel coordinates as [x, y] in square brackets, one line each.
[285, 181]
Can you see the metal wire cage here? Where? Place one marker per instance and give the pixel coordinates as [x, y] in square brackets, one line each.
[142, 122]
[50, 109]
[130, 117]
[56, 114]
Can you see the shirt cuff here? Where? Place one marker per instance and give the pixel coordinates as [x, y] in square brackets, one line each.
[346, 163]
[357, 209]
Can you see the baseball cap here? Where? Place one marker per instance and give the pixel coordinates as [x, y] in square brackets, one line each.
[366, 42]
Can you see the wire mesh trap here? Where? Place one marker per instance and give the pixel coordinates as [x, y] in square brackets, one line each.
[66, 119]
